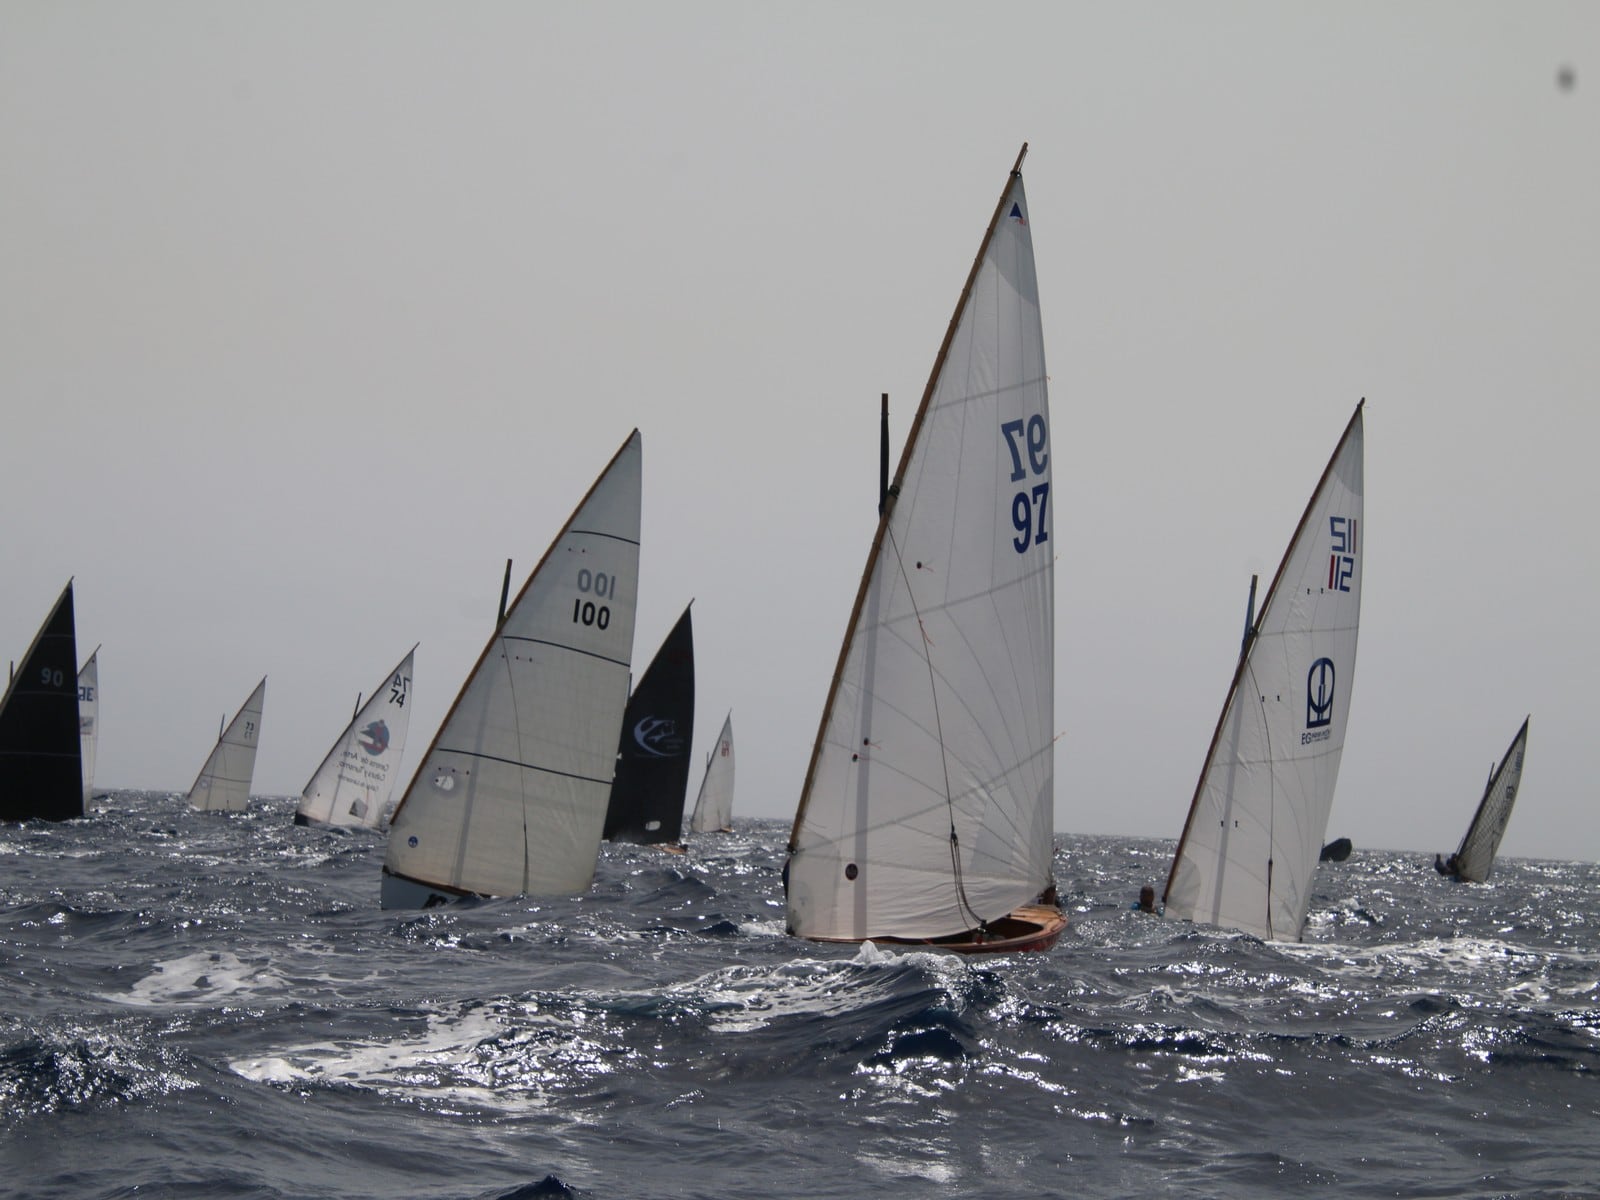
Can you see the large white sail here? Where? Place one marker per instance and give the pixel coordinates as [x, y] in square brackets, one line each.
[353, 785]
[223, 784]
[713, 807]
[89, 720]
[927, 808]
[512, 795]
[1260, 811]
[1475, 859]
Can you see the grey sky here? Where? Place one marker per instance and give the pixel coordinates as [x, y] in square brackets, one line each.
[311, 315]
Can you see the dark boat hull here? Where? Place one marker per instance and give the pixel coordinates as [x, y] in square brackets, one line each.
[1032, 927]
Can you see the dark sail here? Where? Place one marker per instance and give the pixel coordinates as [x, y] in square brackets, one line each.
[653, 758]
[41, 763]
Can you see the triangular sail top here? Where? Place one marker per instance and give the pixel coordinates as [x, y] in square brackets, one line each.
[41, 771]
[1475, 859]
[89, 720]
[353, 785]
[654, 753]
[511, 796]
[927, 807]
[223, 784]
[1256, 825]
[713, 807]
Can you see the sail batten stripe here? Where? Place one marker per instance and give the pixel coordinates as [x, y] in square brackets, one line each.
[511, 637]
[511, 762]
[600, 533]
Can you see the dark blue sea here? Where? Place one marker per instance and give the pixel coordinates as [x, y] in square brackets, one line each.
[206, 1005]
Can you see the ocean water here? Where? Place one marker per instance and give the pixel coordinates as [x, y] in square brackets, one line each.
[206, 1005]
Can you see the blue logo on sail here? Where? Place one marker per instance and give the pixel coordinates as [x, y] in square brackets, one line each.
[375, 738]
[1319, 694]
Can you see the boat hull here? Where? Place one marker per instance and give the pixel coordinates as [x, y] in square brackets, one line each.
[397, 891]
[1032, 927]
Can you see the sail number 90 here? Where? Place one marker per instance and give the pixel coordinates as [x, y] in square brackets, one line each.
[1028, 443]
[587, 612]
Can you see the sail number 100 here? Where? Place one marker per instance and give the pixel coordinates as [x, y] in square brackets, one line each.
[587, 612]
[1030, 455]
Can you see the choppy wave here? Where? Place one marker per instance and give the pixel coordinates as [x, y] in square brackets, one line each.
[194, 1005]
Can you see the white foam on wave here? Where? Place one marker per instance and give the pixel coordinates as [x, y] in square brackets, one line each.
[202, 980]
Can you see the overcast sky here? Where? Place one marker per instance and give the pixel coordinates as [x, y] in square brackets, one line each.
[313, 314]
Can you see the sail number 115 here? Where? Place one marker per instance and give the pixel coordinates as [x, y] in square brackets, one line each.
[1028, 442]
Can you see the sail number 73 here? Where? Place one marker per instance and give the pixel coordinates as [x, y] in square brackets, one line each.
[1028, 441]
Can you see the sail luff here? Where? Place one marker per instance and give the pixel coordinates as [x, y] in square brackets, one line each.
[1232, 713]
[223, 783]
[1474, 859]
[653, 751]
[89, 721]
[352, 785]
[483, 655]
[888, 504]
[927, 806]
[713, 806]
[41, 751]
[527, 749]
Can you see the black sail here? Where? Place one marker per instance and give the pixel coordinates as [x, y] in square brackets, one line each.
[652, 776]
[41, 763]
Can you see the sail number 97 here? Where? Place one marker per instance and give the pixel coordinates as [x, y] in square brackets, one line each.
[1028, 441]
[587, 612]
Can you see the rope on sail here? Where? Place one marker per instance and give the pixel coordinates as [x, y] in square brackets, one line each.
[968, 912]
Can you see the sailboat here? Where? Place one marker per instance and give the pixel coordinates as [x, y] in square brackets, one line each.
[351, 788]
[1474, 859]
[41, 771]
[926, 812]
[713, 807]
[511, 796]
[1256, 824]
[653, 754]
[89, 721]
[223, 784]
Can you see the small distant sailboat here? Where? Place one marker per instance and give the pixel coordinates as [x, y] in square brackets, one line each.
[223, 784]
[654, 753]
[1474, 859]
[351, 788]
[41, 754]
[511, 797]
[926, 813]
[89, 720]
[713, 807]
[1255, 827]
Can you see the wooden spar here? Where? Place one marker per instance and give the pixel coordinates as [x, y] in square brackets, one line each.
[505, 590]
[356, 712]
[883, 455]
[1249, 641]
[894, 491]
[489, 645]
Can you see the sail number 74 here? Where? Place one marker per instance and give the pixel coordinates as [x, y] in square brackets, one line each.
[1028, 443]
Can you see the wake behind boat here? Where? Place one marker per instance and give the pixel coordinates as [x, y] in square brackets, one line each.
[1255, 827]
[926, 812]
[511, 796]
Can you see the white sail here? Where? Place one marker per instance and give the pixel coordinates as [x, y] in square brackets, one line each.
[713, 807]
[89, 720]
[927, 808]
[1260, 811]
[1475, 859]
[511, 797]
[223, 784]
[353, 785]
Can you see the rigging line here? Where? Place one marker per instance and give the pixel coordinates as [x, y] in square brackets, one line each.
[522, 773]
[1272, 791]
[944, 762]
